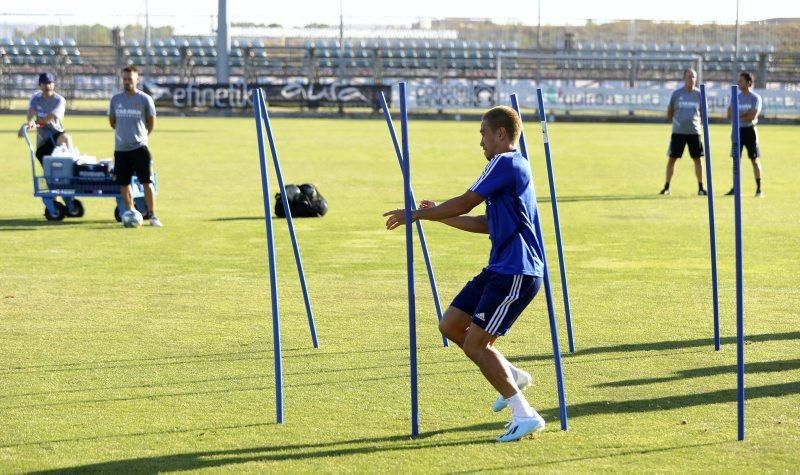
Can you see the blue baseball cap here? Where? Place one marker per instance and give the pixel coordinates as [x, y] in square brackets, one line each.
[45, 78]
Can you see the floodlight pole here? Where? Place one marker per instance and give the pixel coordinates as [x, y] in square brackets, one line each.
[223, 43]
[538, 43]
[341, 53]
[499, 78]
[147, 40]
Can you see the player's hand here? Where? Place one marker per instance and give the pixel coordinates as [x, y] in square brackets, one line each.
[31, 124]
[425, 204]
[395, 218]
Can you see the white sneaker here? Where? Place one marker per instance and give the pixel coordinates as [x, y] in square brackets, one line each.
[523, 380]
[522, 427]
[155, 222]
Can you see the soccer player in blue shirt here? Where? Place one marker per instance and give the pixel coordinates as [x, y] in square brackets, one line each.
[489, 304]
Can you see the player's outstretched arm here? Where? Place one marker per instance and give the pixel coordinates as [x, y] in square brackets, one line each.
[449, 209]
[472, 224]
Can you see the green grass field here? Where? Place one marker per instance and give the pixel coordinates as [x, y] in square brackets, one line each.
[151, 350]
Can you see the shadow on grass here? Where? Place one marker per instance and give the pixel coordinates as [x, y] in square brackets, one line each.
[219, 458]
[308, 352]
[239, 218]
[535, 466]
[759, 367]
[26, 224]
[252, 218]
[18, 224]
[673, 402]
[664, 345]
[267, 386]
[182, 359]
[281, 452]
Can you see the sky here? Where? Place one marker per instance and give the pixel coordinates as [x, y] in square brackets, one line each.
[199, 15]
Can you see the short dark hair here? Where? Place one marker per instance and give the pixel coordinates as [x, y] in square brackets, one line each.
[130, 69]
[505, 117]
[748, 76]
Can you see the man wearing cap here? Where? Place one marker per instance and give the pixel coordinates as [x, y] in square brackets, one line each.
[46, 112]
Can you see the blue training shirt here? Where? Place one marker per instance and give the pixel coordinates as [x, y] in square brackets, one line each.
[507, 187]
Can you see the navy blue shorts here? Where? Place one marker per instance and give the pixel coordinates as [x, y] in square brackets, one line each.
[494, 301]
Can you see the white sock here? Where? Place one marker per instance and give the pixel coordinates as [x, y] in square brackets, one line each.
[514, 370]
[520, 407]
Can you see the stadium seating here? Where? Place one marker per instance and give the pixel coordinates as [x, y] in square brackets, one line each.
[377, 58]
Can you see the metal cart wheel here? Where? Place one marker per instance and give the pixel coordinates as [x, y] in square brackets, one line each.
[75, 210]
[61, 211]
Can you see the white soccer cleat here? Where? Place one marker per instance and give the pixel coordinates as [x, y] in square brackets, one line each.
[155, 222]
[522, 427]
[524, 380]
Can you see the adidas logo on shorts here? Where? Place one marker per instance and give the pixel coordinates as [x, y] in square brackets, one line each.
[480, 316]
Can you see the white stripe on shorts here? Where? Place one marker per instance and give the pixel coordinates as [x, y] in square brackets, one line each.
[502, 309]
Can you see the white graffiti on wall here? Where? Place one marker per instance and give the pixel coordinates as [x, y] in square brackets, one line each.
[326, 93]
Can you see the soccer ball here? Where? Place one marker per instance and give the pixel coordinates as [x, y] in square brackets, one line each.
[132, 219]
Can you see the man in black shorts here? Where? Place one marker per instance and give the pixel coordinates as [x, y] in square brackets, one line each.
[684, 112]
[749, 109]
[132, 114]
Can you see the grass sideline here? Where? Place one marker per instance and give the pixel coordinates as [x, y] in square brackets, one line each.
[150, 350]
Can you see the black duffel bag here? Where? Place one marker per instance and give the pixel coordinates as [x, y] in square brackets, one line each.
[305, 201]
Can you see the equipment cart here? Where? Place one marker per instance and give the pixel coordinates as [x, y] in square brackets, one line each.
[62, 178]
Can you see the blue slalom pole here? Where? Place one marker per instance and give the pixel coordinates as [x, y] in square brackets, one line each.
[423, 243]
[556, 222]
[548, 293]
[712, 232]
[737, 215]
[276, 163]
[412, 323]
[273, 278]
